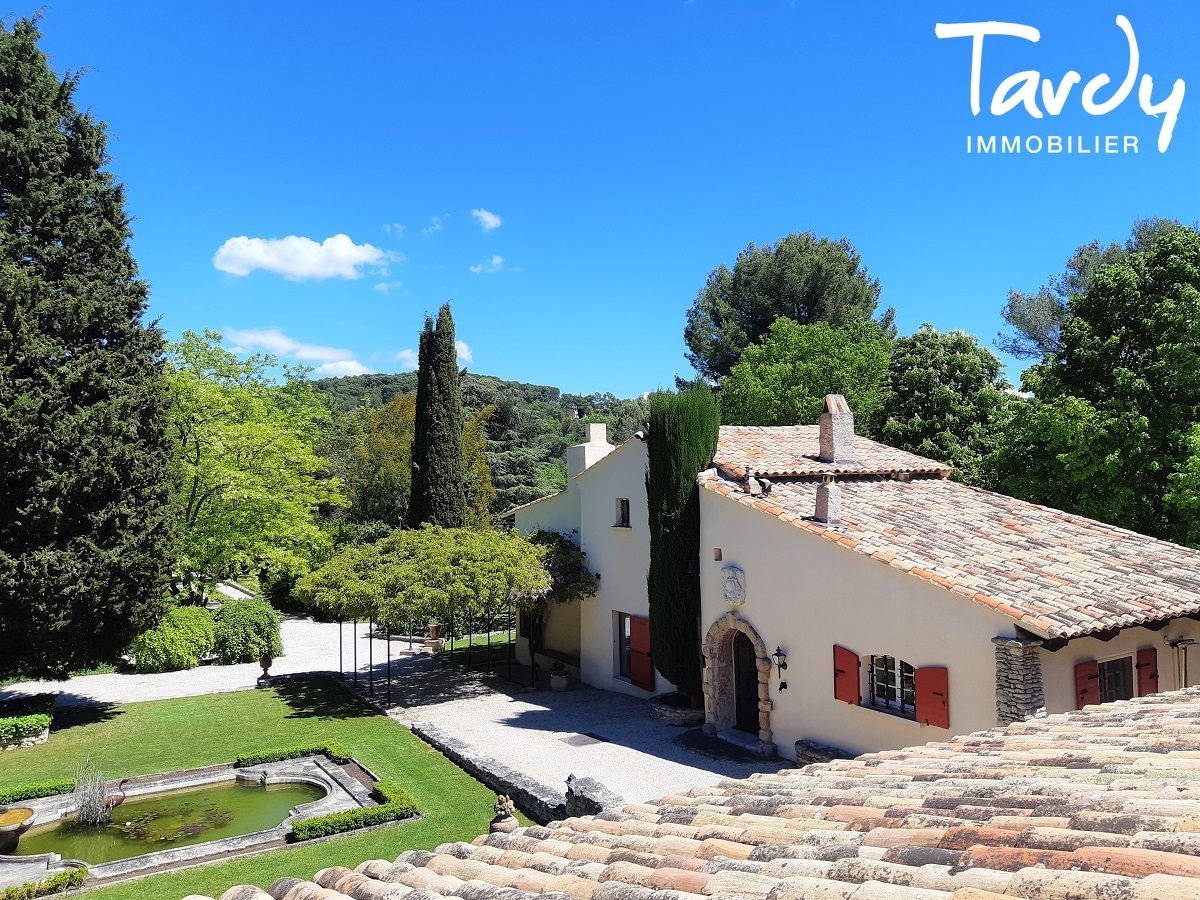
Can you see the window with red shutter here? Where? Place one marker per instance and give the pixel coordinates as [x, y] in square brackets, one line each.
[845, 675]
[641, 666]
[932, 684]
[1087, 683]
[1147, 671]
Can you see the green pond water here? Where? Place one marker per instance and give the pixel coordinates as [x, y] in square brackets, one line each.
[166, 821]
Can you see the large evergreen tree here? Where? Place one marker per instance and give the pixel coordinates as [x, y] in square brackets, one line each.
[682, 441]
[82, 405]
[438, 480]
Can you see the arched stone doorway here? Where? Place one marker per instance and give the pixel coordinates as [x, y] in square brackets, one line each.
[737, 668]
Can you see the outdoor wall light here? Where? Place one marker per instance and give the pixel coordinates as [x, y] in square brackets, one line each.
[780, 659]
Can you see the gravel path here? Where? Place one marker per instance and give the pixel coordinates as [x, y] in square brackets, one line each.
[539, 732]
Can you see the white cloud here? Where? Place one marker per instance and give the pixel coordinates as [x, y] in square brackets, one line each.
[495, 264]
[464, 352]
[329, 360]
[394, 228]
[345, 367]
[299, 258]
[488, 221]
[407, 359]
[437, 223]
[384, 286]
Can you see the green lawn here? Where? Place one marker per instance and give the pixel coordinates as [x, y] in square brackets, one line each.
[143, 738]
[474, 651]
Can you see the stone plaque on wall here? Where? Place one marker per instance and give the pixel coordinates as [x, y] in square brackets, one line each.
[733, 585]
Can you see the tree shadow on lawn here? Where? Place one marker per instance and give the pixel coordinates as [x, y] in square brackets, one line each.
[320, 698]
[73, 710]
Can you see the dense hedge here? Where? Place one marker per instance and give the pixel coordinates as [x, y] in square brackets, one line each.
[35, 790]
[17, 727]
[55, 884]
[179, 641]
[246, 630]
[334, 751]
[394, 804]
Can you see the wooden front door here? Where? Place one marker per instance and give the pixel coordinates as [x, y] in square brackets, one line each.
[745, 683]
[641, 664]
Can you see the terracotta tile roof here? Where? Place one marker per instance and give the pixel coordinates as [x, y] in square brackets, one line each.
[1057, 574]
[793, 449]
[1103, 803]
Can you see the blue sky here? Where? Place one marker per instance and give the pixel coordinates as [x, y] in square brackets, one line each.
[614, 153]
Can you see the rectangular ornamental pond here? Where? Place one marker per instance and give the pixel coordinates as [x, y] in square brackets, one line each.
[170, 820]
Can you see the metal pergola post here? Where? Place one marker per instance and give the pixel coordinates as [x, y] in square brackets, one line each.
[512, 644]
[356, 652]
[389, 662]
[341, 662]
[371, 657]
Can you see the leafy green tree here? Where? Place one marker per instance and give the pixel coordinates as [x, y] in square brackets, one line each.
[1109, 433]
[1035, 320]
[179, 641]
[84, 530]
[247, 481]
[477, 476]
[379, 478]
[438, 483]
[784, 379]
[681, 442]
[800, 277]
[246, 631]
[429, 572]
[946, 398]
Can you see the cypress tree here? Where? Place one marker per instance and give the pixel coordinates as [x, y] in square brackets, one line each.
[84, 482]
[682, 440]
[438, 482]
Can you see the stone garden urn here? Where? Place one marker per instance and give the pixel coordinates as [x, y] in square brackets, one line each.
[14, 822]
[265, 661]
[504, 821]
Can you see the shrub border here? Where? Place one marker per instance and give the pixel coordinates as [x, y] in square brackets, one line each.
[395, 804]
[55, 884]
[35, 790]
[332, 749]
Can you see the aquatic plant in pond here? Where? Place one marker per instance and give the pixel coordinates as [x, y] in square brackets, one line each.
[92, 803]
[172, 820]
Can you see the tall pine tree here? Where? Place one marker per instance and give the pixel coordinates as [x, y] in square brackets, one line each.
[438, 480]
[682, 440]
[82, 406]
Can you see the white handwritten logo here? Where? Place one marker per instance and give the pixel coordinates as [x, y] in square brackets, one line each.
[1021, 88]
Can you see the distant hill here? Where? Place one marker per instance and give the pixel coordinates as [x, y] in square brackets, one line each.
[528, 432]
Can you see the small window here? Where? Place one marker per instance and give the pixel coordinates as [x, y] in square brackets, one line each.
[891, 685]
[1116, 679]
[622, 513]
[623, 633]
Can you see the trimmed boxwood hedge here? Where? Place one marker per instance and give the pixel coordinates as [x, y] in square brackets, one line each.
[17, 727]
[35, 790]
[394, 804]
[333, 750]
[55, 884]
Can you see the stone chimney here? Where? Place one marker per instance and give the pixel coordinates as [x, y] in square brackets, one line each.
[829, 502]
[837, 431]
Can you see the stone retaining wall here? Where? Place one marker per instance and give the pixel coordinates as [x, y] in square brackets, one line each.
[30, 740]
[540, 803]
[588, 797]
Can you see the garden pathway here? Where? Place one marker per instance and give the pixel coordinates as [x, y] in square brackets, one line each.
[536, 731]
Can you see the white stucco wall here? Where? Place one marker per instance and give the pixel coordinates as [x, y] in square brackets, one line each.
[805, 594]
[1058, 668]
[621, 557]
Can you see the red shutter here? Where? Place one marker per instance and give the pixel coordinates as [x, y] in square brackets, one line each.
[932, 687]
[641, 667]
[1147, 671]
[1087, 683]
[845, 675]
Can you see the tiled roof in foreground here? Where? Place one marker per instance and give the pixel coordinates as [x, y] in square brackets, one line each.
[791, 450]
[1102, 803]
[1057, 574]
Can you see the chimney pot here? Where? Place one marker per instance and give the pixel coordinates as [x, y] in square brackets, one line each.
[836, 431]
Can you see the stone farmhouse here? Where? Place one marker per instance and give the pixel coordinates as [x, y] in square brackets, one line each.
[856, 598]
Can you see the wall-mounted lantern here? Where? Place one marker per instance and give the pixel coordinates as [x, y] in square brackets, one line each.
[780, 660]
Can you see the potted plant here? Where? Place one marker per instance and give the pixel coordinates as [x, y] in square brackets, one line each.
[559, 679]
